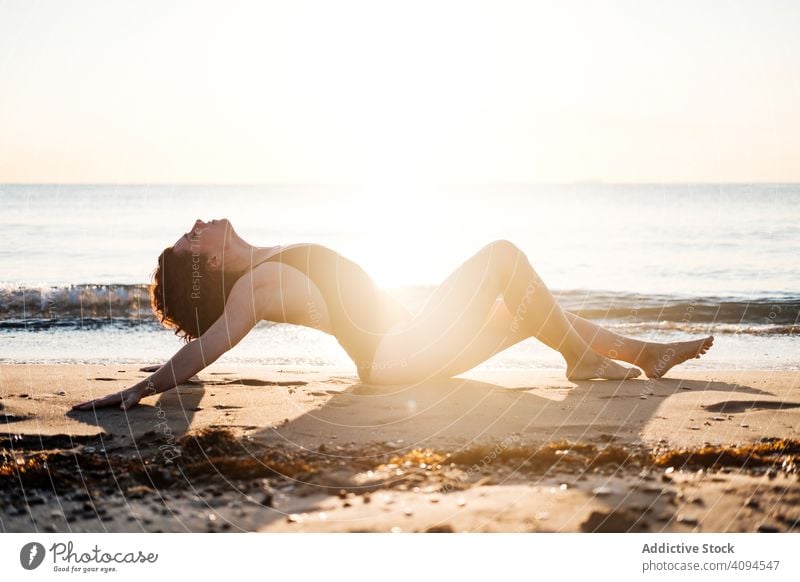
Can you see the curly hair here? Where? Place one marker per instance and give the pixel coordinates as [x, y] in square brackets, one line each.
[188, 296]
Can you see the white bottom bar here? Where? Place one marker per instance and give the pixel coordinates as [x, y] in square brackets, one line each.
[388, 557]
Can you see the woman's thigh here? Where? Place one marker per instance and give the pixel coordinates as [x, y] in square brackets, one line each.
[436, 348]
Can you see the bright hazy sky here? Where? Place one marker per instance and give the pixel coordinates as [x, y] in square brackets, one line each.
[399, 92]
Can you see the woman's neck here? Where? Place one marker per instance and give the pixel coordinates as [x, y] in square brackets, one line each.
[244, 256]
[257, 254]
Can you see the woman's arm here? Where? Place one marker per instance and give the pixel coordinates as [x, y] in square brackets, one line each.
[246, 306]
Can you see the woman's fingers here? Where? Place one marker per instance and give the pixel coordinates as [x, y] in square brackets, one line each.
[125, 399]
[99, 402]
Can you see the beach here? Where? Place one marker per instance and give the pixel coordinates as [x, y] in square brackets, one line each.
[301, 448]
[233, 218]
[279, 434]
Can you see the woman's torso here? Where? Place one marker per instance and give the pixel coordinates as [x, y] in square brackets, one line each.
[301, 301]
[324, 290]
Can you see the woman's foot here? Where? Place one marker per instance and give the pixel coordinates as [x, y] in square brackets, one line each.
[657, 359]
[592, 366]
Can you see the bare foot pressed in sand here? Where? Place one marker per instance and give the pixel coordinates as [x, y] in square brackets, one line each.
[593, 366]
[657, 359]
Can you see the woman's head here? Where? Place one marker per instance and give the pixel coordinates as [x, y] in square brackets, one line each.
[194, 277]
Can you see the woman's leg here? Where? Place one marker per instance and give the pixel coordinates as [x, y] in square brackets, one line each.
[493, 338]
[453, 331]
[654, 358]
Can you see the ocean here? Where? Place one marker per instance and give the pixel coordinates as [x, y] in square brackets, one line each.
[656, 261]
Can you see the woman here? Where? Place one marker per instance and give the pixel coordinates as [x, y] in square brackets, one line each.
[212, 287]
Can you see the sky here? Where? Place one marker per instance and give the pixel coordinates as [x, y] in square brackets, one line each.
[401, 93]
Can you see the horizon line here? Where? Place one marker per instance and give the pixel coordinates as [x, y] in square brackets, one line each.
[463, 184]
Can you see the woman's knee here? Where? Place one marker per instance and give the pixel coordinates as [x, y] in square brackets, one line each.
[505, 253]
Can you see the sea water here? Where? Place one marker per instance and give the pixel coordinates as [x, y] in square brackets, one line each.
[662, 262]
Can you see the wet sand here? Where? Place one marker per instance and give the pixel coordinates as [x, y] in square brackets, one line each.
[270, 449]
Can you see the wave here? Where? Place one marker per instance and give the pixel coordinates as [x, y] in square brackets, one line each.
[68, 302]
[702, 328]
[92, 306]
[777, 311]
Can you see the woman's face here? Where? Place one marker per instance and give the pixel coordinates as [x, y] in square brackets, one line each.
[209, 238]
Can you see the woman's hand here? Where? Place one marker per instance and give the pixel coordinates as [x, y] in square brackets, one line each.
[125, 399]
[225, 333]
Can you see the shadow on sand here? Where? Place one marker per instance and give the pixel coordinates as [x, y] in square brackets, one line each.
[170, 417]
[456, 412]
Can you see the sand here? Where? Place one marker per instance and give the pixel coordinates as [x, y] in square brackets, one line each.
[270, 449]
